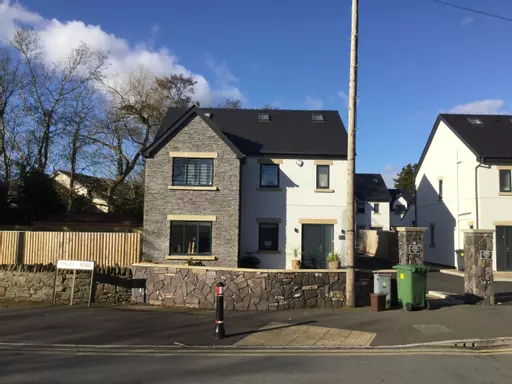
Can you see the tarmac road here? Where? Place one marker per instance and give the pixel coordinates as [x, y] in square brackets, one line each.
[52, 367]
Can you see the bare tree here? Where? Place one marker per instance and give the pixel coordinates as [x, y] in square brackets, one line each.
[80, 115]
[50, 86]
[11, 83]
[231, 103]
[177, 89]
[136, 110]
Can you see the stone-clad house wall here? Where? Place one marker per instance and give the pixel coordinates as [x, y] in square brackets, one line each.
[224, 202]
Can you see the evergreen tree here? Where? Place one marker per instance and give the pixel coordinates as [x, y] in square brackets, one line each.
[405, 179]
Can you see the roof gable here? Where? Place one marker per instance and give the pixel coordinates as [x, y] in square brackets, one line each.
[164, 135]
[288, 132]
[490, 140]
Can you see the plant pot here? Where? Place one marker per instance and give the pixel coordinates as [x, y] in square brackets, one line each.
[295, 264]
[334, 264]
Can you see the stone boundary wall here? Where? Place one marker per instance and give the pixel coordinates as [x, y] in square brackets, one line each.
[112, 285]
[246, 289]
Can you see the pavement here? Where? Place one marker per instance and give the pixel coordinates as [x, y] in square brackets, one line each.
[146, 325]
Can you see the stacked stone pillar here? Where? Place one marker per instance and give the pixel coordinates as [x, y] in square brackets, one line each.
[411, 245]
[478, 272]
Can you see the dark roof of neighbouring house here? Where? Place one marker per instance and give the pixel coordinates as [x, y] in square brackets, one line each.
[371, 187]
[289, 132]
[489, 141]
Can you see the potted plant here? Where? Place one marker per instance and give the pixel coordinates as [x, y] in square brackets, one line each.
[334, 260]
[296, 257]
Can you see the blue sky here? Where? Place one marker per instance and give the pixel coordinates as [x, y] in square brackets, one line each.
[417, 57]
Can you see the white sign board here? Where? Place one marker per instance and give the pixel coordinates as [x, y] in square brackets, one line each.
[75, 264]
[485, 255]
[415, 249]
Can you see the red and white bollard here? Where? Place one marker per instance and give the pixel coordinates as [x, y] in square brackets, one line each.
[220, 332]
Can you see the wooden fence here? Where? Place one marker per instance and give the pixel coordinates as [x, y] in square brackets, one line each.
[106, 249]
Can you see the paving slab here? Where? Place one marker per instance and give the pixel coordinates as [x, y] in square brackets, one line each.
[285, 335]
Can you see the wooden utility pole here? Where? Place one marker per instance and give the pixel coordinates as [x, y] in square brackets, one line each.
[351, 161]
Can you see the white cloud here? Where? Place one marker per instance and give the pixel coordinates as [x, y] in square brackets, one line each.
[59, 38]
[225, 82]
[467, 21]
[12, 15]
[489, 107]
[313, 103]
[389, 172]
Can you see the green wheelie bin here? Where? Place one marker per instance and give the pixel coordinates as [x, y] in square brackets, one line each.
[412, 286]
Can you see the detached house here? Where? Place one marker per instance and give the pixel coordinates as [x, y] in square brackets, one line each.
[372, 202]
[463, 182]
[224, 183]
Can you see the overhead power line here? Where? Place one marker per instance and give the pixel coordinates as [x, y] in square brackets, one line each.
[474, 10]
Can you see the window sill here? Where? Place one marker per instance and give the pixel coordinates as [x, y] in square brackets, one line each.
[376, 214]
[269, 189]
[322, 190]
[190, 188]
[505, 194]
[195, 258]
[269, 252]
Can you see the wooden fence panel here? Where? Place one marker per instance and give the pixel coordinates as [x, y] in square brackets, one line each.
[106, 249]
[9, 246]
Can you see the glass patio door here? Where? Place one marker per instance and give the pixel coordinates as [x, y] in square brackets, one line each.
[317, 243]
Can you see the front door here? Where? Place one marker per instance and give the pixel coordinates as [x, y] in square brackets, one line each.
[504, 248]
[317, 243]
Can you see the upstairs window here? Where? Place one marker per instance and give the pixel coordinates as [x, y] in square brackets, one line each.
[322, 177]
[269, 176]
[192, 172]
[376, 208]
[361, 207]
[505, 180]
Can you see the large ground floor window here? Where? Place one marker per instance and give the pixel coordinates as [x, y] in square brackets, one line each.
[191, 238]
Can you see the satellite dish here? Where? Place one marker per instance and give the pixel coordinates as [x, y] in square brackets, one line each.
[300, 163]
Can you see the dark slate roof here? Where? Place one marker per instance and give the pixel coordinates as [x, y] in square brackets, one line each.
[490, 140]
[371, 187]
[289, 132]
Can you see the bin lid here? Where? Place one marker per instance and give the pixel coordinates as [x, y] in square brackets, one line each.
[411, 267]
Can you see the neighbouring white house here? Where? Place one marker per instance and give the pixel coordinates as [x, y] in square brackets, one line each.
[372, 202]
[464, 182]
[91, 187]
[222, 184]
[402, 212]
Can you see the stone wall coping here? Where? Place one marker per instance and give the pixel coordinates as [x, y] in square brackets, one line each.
[478, 230]
[165, 265]
[411, 229]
